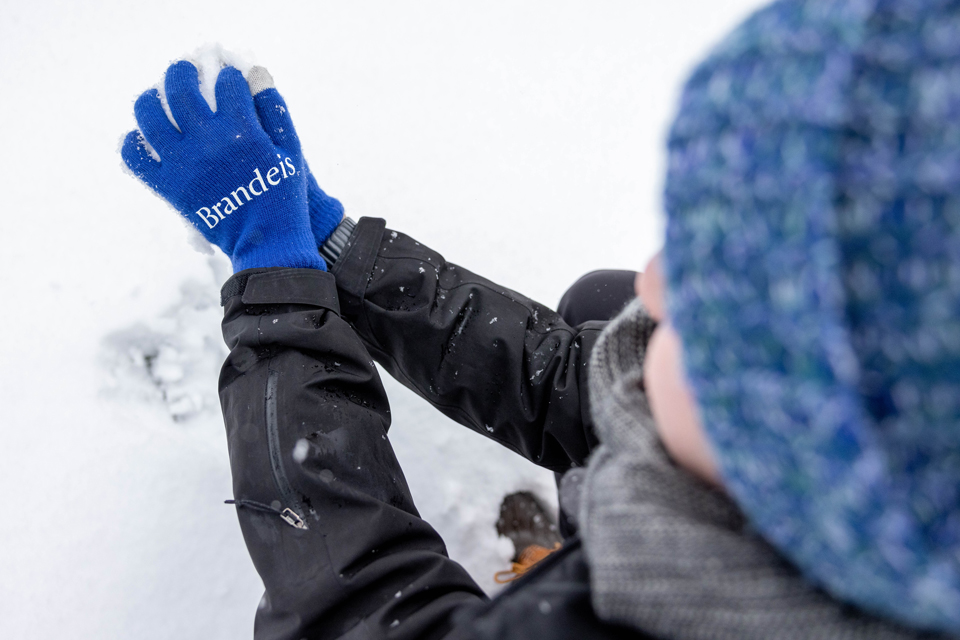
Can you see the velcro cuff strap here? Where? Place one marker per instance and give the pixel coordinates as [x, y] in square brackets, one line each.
[284, 286]
[353, 268]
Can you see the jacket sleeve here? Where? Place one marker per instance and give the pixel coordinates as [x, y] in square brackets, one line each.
[323, 505]
[487, 357]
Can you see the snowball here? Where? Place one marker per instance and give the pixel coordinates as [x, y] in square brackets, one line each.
[209, 60]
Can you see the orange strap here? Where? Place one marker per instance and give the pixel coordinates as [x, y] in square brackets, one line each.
[528, 558]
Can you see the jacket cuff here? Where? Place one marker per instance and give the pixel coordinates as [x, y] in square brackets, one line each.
[283, 286]
[331, 249]
[352, 270]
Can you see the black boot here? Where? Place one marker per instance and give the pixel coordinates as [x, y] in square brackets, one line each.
[533, 533]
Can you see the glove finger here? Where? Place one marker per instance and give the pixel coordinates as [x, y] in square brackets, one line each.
[233, 96]
[153, 122]
[183, 95]
[136, 155]
[272, 110]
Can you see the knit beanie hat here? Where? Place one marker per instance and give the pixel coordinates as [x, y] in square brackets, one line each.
[813, 267]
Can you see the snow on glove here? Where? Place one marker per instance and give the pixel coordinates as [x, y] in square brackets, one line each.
[325, 212]
[243, 189]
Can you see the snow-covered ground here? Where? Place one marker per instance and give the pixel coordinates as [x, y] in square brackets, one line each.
[521, 139]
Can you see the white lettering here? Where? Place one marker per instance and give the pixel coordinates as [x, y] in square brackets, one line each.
[259, 179]
[212, 214]
[206, 217]
[228, 208]
[237, 198]
[271, 174]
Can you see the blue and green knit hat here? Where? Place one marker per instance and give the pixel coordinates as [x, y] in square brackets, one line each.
[813, 266]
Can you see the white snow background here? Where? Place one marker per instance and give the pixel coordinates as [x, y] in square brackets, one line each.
[521, 139]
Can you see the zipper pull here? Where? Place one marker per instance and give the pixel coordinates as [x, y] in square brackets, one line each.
[291, 518]
[288, 515]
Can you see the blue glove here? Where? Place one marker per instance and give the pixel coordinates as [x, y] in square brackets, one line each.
[243, 187]
[325, 212]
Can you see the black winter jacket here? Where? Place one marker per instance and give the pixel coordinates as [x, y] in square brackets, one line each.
[325, 511]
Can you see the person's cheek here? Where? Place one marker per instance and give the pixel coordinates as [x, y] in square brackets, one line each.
[674, 409]
[649, 287]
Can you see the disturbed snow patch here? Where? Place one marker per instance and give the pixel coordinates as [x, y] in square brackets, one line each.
[174, 358]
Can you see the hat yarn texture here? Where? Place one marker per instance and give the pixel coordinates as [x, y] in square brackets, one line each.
[813, 267]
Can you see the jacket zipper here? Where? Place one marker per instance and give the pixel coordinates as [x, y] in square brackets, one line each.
[292, 513]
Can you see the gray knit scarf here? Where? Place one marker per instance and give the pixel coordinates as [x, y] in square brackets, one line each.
[668, 555]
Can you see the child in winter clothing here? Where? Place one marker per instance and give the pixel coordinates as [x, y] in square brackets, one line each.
[805, 360]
